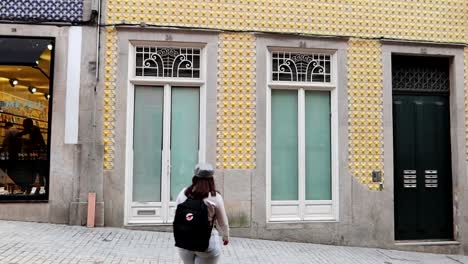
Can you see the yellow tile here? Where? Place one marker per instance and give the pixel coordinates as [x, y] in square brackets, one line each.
[443, 20]
[366, 124]
[237, 58]
[433, 21]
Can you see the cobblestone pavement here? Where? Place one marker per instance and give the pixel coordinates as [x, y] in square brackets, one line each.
[22, 242]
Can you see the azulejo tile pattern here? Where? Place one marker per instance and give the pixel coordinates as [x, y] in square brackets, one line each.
[110, 77]
[365, 98]
[426, 20]
[42, 10]
[236, 102]
[442, 20]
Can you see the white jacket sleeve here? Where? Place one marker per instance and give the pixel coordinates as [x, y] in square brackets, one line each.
[181, 197]
[222, 223]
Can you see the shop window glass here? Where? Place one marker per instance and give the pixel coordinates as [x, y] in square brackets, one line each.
[26, 71]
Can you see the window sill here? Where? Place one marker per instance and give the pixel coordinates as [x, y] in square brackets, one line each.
[426, 243]
[297, 224]
[12, 199]
[148, 225]
[23, 201]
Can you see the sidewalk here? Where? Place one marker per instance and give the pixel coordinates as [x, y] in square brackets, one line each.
[28, 243]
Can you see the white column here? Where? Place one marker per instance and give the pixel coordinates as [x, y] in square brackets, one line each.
[166, 155]
[301, 150]
[72, 99]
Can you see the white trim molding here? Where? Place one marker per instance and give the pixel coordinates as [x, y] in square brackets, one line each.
[301, 210]
[160, 213]
[72, 99]
[457, 121]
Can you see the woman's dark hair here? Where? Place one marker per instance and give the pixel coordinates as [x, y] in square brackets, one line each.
[201, 188]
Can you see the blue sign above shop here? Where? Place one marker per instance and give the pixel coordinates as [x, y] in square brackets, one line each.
[42, 10]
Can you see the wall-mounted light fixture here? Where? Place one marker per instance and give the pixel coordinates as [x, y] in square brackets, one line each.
[13, 82]
[47, 96]
[32, 89]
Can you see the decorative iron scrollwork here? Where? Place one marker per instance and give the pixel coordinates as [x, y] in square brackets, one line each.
[167, 62]
[300, 67]
[420, 74]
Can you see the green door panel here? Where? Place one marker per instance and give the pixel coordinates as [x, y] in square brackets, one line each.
[184, 136]
[147, 143]
[318, 145]
[284, 145]
[423, 203]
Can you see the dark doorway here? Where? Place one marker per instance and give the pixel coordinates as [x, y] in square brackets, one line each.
[422, 153]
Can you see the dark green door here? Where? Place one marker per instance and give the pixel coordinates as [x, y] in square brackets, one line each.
[422, 166]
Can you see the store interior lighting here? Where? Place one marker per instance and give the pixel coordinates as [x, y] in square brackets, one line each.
[32, 90]
[25, 69]
[13, 82]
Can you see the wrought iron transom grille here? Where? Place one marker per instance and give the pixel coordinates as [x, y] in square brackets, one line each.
[301, 67]
[167, 62]
[420, 74]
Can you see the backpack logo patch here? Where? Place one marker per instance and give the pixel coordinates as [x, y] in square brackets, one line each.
[189, 217]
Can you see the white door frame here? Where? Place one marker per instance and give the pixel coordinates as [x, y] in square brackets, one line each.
[295, 211]
[457, 115]
[159, 213]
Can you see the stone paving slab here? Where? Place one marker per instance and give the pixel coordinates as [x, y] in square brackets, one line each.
[36, 243]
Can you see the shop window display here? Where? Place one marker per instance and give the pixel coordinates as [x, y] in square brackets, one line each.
[25, 99]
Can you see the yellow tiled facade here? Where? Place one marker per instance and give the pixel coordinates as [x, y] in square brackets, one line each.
[110, 77]
[365, 95]
[443, 20]
[236, 102]
[364, 21]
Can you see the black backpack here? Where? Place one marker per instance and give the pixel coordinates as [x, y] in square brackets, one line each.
[192, 229]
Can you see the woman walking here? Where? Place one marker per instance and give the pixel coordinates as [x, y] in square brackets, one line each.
[203, 189]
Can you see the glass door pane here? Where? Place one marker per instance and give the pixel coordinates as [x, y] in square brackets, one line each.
[184, 136]
[147, 143]
[318, 152]
[284, 145]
